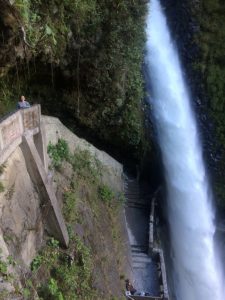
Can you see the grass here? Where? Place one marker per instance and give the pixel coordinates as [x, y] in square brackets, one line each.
[58, 153]
[105, 194]
[69, 274]
[86, 166]
[94, 252]
[69, 206]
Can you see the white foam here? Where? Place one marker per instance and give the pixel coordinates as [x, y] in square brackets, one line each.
[190, 211]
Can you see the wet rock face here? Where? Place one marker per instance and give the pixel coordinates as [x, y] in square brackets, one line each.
[184, 26]
[181, 16]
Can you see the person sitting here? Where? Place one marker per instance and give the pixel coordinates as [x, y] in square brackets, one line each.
[130, 288]
[23, 103]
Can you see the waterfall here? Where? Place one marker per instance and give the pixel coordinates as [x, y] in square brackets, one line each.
[190, 213]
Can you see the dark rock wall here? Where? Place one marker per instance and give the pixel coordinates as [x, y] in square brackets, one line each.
[82, 62]
[185, 25]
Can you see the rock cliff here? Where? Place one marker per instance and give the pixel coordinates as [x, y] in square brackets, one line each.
[89, 187]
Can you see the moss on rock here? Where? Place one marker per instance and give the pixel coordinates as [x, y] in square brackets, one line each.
[87, 56]
[211, 64]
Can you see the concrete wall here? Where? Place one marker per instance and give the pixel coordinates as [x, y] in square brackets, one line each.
[24, 128]
[113, 175]
[29, 206]
[21, 218]
[32, 132]
[13, 127]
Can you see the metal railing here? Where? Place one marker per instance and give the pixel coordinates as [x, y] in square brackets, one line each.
[157, 250]
[139, 297]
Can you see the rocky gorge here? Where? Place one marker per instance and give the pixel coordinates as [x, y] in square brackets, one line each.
[83, 62]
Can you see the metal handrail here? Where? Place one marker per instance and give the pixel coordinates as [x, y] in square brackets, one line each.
[144, 297]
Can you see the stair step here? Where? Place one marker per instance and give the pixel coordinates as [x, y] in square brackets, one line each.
[140, 266]
[139, 249]
[132, 197]
[134, 205]
[130, 193]
[137, 206]
[132, 201]
[132, 186]
[138, 246]
[135, 199]
[141, 254]
[143, 260]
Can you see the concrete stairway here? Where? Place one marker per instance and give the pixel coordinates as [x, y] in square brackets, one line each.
[139, 257]
[133, 194]
[137, 217]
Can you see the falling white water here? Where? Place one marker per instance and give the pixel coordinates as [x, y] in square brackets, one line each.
[189, 205]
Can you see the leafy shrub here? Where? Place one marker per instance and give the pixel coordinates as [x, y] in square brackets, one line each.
[53, 243]
[70, 274]
[75, 279]
[51, 291]
[3, 267]
[105, 193]
[58, 152]
[36, 263]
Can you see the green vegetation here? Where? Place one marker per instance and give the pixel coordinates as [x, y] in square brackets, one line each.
[52, 291]
[41, 29]
[86, 166]
[58, 153]
[119, 84]
[84, 57]
[5, 263]
[68, 274]
[210, 39]
[106, 194]
[9, 94]
[3, 267]
[36, 262]
[95, 258]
